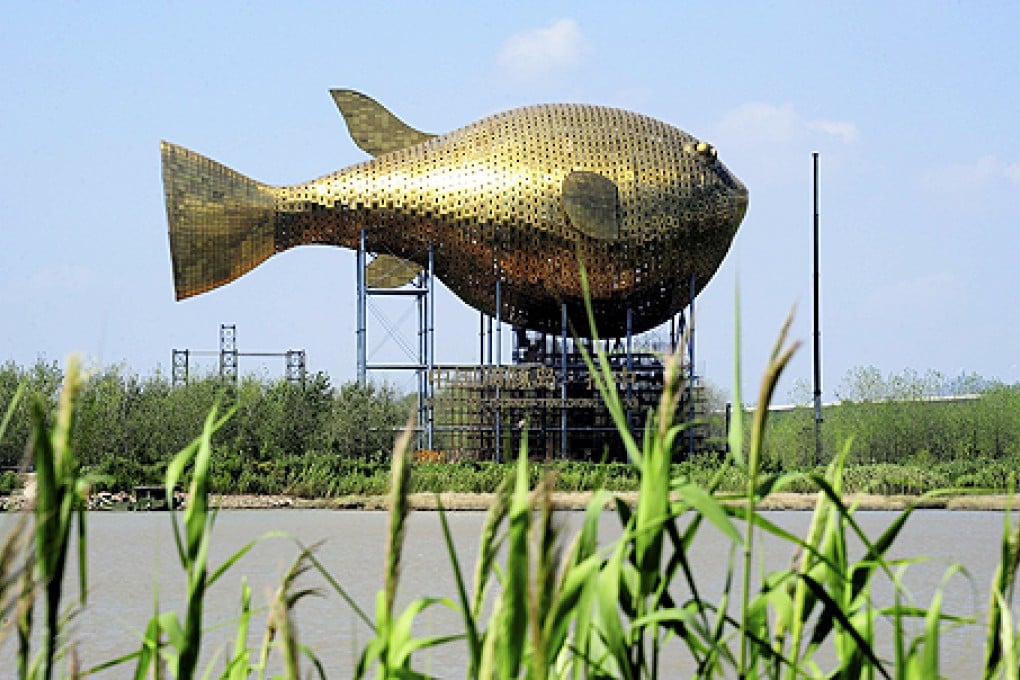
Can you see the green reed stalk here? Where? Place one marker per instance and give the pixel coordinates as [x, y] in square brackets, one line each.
[470, 621]
[11, 406]
[60, 504]
[281, 626]
[401, 485]
[392, 648]
[166, 637]
[778, 361]
[1000, 644]
[471, 607]
[193, 546]
[16, 568]
[11, 553]
[239, 665]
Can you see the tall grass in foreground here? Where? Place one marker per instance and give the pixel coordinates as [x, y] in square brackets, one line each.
[33, 559]
[539, 603]
[573, 609]
[34, 556]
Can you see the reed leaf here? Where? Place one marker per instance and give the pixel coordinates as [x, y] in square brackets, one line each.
[514, 630]
[1010, 655]
[60, 504]
[706, 506]
[197, 534]
[1002, 591]
[833, 608]
[339, 590]
[239, 666]
[780, 357]
[583, 555]
[605, 383]
[14, 560]
[470, 628]
[400, 487]
[489, 544]
[19, 392]
[578, 580]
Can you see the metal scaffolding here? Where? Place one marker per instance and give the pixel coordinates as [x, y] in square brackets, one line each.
[547, 394]
[228, 355]
[422, 290]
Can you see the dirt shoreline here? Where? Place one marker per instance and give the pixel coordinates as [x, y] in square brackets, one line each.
[580, 500]
[573, 501]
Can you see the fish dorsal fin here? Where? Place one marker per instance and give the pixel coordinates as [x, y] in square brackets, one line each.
[592, 204]
[373, 128]
[390, 271]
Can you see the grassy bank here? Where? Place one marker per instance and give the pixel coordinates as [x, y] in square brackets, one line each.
[337, 478]
[977, 475]
[317, 440]
[578, 501]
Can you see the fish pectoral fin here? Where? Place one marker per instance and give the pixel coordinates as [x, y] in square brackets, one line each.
[390, 271]
[372, 127]
[592, 204]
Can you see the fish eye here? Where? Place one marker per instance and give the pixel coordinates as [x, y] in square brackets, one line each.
[706, 149]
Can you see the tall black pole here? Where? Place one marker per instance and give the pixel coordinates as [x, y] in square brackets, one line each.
[818, 330]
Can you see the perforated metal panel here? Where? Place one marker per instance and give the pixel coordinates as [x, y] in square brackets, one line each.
[518, 197]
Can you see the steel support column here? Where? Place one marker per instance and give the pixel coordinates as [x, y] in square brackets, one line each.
[691, 387]
[629, 362]
[430, 346]
[563, 381]
[421, 374]
[499, 362]
[362, 320]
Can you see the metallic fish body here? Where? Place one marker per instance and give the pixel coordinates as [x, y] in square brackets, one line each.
[520, 197]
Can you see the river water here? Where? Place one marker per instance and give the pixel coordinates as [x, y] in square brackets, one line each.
[132, 560]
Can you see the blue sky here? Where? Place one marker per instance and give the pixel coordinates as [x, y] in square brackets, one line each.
[913, 107]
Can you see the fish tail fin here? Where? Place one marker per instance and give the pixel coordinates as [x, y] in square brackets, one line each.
[222, 224]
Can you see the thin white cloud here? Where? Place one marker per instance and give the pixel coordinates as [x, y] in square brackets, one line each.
[845, 131]
[759, 123]
[543, 52]
[985, 174]
[766, 144]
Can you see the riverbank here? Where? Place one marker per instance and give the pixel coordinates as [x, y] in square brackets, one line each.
[561, 501]
[580, 500]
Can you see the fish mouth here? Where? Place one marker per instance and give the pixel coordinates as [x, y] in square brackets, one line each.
[732, 194]
[734, 201]
[740, 202]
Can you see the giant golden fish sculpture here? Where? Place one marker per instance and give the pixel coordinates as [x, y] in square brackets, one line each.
[520, 197]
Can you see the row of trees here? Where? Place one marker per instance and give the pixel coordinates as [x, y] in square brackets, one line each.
[906, 418]
[128, 426]
[318, 439]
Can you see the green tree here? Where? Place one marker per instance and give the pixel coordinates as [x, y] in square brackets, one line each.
[363, 421]
[42, 382]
